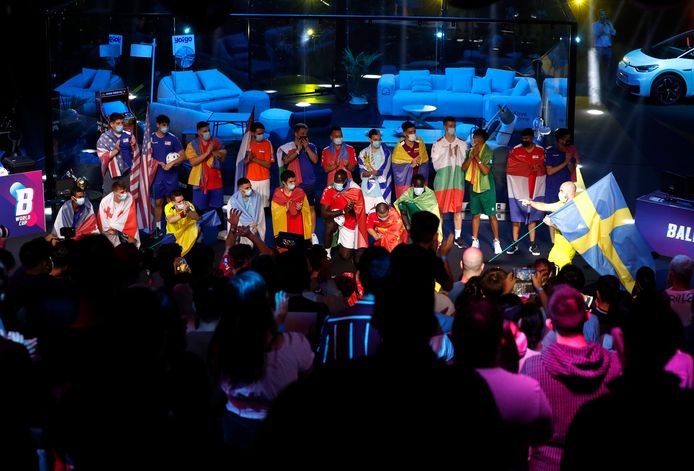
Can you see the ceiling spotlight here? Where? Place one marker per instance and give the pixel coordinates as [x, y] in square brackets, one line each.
[303, 104]
[186, 30]
[595, 112]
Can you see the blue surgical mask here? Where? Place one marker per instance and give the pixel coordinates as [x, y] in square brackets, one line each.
[376, 144]
[164, 130]
[339, 186]
[206, 136]
[259, 137]
[337, 141]
[119, 128]
[450, 131]
[291, 186]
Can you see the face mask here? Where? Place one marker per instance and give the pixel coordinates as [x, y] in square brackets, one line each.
[339, 186]
[382, 218]
[527, 143]
[259, 137]
[248, 192]
[164, 130]
[337, 141]
[181, 206]
[418, 191]
[206, 136]
[119, 128]
[123, 197]
[411, 137]
[450, 131]
[376, 144]
[562, 197]
[80, 201]
[291, 186]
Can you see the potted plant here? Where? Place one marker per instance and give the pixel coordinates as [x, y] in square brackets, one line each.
[356, 67]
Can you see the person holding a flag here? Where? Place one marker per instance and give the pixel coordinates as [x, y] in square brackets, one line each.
[525, 177]
[290, 209]
[76, 213]
[206, 155]
[562, 252]
[116, 149]
[342, 209]
[248, 203]
[385, 226]
[561, 161]
[376, 173]
[118, 216]
[259, 159]
[168, 153]
[418, 198]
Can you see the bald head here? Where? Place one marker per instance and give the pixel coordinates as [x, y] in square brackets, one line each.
[382, 209]
[472, 263]
[569, 189]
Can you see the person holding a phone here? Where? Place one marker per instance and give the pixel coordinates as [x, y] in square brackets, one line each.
[76, 217]
[182, 221]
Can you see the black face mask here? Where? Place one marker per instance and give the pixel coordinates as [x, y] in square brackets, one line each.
[527, 143]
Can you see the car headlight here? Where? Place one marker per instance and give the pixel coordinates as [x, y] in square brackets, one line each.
[646, 68]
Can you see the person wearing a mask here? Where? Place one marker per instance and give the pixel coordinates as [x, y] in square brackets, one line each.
[479, 171]
[337, 155]
[182, 221]
[116, 149]
[248, 202]
[376, 172]
[418, 198]
[168, 152]
[385, 226]
[447, 156]
[562, 252]
[525, 178]
[76, 213]
[118, 216]
[290, 208]
[342, 210]
[259, 158]
[206, 155]
[409, 158]
[561, 160]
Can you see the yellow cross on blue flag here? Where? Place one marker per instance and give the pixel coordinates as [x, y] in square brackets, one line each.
[599, 226]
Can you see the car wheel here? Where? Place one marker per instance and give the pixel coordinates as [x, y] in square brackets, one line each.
[667, 89]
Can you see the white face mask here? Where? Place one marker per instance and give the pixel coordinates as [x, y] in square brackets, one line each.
[291, 186]
[248, 192]
[339, 186]
[411, 137]
[337, 141]
[181, 206]
[418, 191]
[450, 131]
[259, 137]
[206, 136]
[80, 201]
[562, 197]
[376, 144]
[123, 197]
[382, 218]
[163, 129]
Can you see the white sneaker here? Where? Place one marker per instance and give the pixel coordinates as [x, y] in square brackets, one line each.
[497, 247]
[314, 239]
[475, 244]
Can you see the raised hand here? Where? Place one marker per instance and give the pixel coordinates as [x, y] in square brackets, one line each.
[233, 218]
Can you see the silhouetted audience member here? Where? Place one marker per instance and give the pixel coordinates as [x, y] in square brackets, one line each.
[531, 322]
[393, 406]
[477, 337]
[645, 283]
[571, 371]
[645, 417]
[606, 295]
[424, 233]
[679, 289]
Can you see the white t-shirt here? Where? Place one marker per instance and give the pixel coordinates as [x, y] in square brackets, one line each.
[282, 367]
[681, 303]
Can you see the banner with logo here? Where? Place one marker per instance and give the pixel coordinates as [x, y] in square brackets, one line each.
[183, 40]
[22, 204]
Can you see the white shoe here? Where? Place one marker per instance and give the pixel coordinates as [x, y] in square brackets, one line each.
[327, 251]
[314, 239]
[497, 247]
[475, 244]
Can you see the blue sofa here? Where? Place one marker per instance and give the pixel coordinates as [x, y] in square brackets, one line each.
[84, 86]
[186, 119]
[554, 102]
[204, 90]
[459, 93]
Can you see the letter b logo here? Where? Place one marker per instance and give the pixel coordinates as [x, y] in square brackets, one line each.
[24, 197]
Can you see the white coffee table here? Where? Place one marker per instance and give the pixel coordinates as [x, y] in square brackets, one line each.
[418, 113]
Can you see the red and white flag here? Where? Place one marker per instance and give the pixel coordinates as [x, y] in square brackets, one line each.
[141, 177]
[243, 149]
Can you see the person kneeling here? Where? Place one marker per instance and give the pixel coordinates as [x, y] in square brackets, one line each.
[118, 216]
[182, 221]
[342, 209]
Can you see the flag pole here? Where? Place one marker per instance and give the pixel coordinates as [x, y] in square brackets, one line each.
[514, 243]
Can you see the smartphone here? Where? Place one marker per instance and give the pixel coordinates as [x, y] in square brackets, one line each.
[589, 300]
[524, 274]
[67, 232]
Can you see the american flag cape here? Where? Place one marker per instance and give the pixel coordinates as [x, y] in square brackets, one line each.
[141, 177]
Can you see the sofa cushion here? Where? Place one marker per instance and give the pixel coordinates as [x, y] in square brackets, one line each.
[85, 79]
[195, 97]
[212, 79]
[102, 78]
[459, 79]
[185, 82]
[406, 77]
[420, 85]
[460, 105]
[521, 88]
[220, 93]
[501, 79]
[481, 85]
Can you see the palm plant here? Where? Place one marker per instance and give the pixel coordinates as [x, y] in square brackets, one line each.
[356, 67]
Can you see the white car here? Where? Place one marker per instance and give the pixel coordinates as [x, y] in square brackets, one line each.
[664, 71]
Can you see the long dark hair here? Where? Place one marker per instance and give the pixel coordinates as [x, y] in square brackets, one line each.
[240, 342]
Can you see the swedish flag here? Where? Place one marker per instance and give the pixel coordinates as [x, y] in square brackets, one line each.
[599, 226]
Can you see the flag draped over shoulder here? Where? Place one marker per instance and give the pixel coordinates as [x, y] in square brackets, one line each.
[403, 171]
[143, 171]
[599, 226]
[353, 193]
[425, 202]
[84, 220]
[243, 149]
